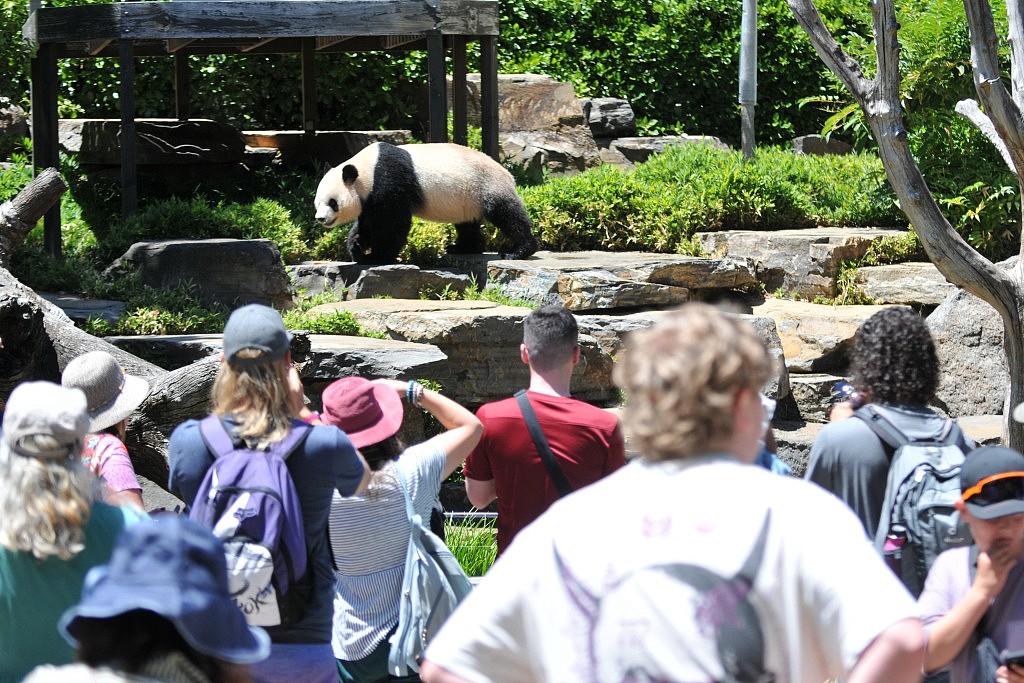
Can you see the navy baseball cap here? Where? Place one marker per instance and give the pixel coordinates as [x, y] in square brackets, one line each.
[992, 482]
[257, 327]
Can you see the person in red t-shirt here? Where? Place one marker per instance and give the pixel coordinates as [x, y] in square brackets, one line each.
[586, 441]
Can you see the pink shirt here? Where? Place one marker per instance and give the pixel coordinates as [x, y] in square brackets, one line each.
[105, 455]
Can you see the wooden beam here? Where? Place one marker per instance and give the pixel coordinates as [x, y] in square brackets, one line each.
[436, 89]
[199, 19]
[178, 44]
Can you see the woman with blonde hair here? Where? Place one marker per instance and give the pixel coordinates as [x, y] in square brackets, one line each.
[257, 403]
[53, 529]
[370, 532]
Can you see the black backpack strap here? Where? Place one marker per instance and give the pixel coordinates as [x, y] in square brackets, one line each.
[219, 440]
[541, 442]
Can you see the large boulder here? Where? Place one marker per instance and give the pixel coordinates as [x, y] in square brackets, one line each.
[159, 141]
[968, 337]
[225, 271]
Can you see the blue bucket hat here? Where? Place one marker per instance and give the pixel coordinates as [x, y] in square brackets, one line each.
[175, 568]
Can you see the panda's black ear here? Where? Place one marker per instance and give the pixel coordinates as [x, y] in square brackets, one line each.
[349, 173]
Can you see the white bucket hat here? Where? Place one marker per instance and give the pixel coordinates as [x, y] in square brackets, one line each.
[110, 393]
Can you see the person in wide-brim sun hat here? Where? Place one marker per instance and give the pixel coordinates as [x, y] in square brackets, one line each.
[111, 397]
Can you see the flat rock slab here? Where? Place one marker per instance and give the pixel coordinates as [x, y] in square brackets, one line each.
[815, 337]
[593, 280]
[911, 284]
[80, 309]
[801, 262]
[317, 277]
[330, 356]
[813, 394]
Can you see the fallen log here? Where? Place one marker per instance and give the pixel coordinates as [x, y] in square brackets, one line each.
[37, 340]
[18, 215]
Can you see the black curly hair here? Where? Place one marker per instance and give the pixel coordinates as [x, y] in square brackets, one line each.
[894, 359]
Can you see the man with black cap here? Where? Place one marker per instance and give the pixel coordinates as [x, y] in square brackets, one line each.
[974, 593]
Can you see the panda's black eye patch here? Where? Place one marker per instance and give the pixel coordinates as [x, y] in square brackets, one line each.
[333, 204]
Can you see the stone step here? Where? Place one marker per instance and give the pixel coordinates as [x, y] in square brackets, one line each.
[798, 262]
[918, 284]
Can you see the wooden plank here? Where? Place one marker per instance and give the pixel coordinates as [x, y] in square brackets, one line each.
[194, 19]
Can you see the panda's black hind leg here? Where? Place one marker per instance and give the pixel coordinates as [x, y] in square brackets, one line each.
[509, 215]
[469, 239]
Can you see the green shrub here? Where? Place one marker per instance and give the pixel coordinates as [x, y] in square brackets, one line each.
[177, 310]
[694, 188]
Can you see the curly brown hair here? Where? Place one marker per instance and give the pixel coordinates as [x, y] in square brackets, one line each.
[894, 359]
[681, 378]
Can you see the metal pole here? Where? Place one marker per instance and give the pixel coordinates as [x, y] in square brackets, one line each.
[748, 76]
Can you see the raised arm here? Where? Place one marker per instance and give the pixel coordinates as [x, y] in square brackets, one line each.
[464, 429]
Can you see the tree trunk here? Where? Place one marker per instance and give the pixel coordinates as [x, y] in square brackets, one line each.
[37, 340]
[879, 98]
[21, 213]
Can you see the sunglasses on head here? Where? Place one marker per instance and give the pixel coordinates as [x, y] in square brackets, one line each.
[996, 489]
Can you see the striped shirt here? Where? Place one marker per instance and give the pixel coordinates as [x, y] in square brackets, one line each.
[369, 536]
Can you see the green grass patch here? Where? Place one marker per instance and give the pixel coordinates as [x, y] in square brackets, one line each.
[473, 542]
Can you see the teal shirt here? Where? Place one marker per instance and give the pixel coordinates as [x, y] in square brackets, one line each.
[33, 595]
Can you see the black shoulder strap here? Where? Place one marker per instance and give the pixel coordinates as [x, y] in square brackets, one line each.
[541, 442]
[219, 440]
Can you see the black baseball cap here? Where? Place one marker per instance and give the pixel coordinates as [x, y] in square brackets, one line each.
[992, 482]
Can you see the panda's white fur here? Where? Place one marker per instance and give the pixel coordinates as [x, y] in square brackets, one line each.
[452, 183]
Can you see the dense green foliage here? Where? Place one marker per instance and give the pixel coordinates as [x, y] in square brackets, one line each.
[660, 205]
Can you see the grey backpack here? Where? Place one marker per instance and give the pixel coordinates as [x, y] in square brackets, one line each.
[919, 519]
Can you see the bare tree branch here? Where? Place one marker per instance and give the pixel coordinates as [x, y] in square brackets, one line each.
[970, 110]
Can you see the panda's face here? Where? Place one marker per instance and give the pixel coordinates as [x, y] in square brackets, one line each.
[337, 199]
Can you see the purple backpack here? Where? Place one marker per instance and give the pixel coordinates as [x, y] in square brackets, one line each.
[249, 501]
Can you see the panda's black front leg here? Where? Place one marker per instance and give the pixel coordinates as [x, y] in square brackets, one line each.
[468, 239]
[355, 249]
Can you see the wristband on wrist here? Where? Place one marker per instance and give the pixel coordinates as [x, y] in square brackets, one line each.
[413, 393]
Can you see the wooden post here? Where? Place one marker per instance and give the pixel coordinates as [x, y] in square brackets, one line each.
[182, 87]
[460, 126]
[489, 94]
[309, 85]
[129, 175]
[436, 87]
[44, 134]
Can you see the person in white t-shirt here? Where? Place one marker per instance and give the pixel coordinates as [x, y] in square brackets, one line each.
[690, 564]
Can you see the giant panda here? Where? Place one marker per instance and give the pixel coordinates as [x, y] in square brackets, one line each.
[383, 186]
